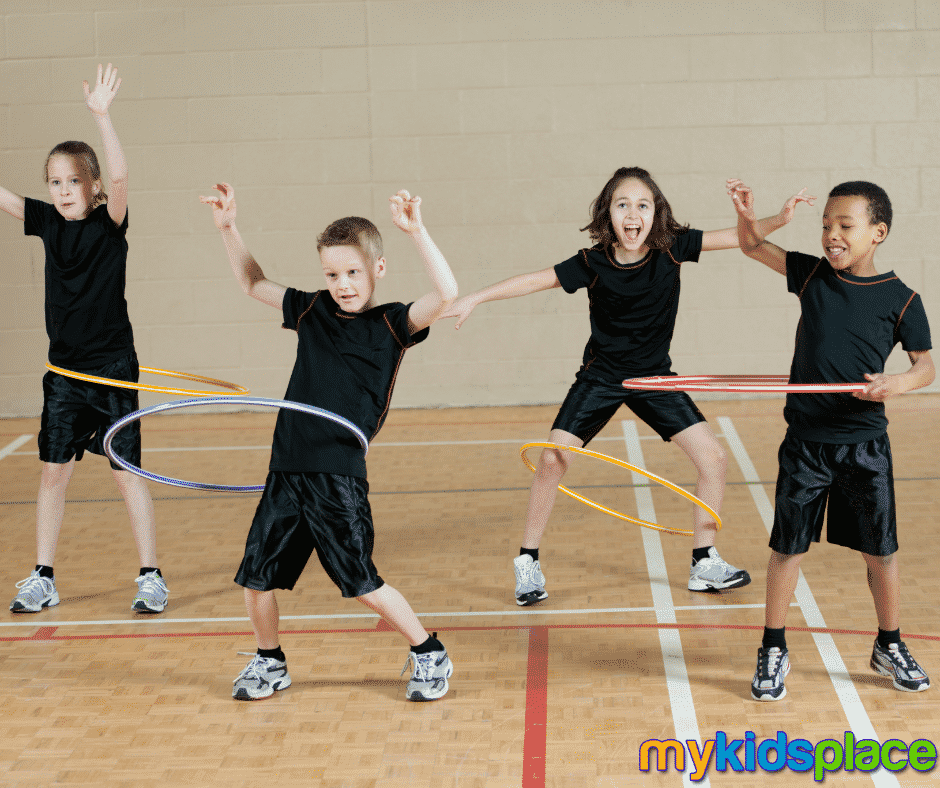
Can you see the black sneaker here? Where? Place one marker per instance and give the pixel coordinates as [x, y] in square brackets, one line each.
[773, 665]
[896, 661]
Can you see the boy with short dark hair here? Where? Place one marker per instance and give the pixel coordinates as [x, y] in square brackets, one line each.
[836, 452]
[315, 496]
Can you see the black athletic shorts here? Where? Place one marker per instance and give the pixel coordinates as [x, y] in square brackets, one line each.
[76, 415]
[302, 512]
[857, 482]
[590, 404]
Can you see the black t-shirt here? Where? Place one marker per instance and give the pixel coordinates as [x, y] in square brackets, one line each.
[86, 269]
[633, 307]
[848, 326]
[346, 363]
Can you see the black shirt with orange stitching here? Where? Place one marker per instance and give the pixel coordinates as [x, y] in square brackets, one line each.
[346, 363]
[633, 307]
[848, 326]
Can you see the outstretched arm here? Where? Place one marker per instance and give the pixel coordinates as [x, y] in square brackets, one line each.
[246, 270]
[728, 238]
[406, 214]
[12, 203]
[521, 285]
[881, 386]
[98, 101]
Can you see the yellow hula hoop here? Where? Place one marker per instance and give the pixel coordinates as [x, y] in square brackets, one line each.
[235, 389]
[598, 456]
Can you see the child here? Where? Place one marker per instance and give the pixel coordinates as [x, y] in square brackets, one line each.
[632, 277]
[836, 449]
[83, 232]
[315, 496]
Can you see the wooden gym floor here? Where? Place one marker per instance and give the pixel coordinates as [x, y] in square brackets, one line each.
[560, 694]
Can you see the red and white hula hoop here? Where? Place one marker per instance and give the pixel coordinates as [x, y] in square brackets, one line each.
[767, 384]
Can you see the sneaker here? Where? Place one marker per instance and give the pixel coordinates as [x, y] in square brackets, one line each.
[896, 661]
[773, 665]
[261, 678]
[530, 582]
[34, 594]
[152, 594]
[713, 573]
[429, 676]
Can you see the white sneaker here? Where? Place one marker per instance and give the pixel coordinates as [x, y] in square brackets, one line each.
[713, 573]
[152, 594]
[530, 582]
[261, 678]
[429, 675]
[34, 594]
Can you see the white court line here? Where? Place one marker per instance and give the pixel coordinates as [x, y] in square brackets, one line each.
[11, 448]
[845, 690]
[267, 447]
[34, 622]
[684, 720]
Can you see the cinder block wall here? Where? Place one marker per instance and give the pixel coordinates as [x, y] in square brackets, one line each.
[507, 118]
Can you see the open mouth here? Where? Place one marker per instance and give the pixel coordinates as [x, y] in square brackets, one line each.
[631, 232]
[835, 253]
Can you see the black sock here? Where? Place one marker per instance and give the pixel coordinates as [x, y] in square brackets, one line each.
[272, 653]
[146, 570]
[698, 553]
[775, 637]
[526, 551]
[886, 638]
[431, 644]
[44, 571]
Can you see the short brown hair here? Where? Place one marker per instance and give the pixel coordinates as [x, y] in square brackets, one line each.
[84, 154]
[353, 231]
[664, 228]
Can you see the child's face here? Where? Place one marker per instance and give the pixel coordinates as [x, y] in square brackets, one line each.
[849, 239]
[350, 276]
[71, 189]
[632, 209]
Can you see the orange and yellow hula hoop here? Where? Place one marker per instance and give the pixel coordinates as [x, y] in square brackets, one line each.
[235, 389]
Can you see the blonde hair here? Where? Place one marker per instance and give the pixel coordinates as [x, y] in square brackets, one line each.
[353, 231]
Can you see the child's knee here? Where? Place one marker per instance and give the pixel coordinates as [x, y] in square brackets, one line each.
[553, 463]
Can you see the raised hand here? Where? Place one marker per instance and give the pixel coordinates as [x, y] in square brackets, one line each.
[406, 211]
[786, 213]
[742, 197]
[223, 206]
[106, 88]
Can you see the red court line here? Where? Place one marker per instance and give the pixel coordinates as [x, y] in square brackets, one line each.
[536, 710]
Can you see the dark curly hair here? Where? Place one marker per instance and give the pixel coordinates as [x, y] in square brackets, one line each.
[879, 206]
[665, 228]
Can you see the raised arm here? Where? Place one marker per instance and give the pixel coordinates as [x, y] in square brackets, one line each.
[246, 269]
[406, 214]
[520, 285]
[751, 231]
[99, 101]
[13, 204]
[728, 238]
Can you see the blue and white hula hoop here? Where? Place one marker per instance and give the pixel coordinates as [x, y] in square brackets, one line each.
[188, 403]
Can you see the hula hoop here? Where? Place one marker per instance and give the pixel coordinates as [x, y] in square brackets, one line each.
[597, 455]
[227, 400]
[167, 373]
[770, 384]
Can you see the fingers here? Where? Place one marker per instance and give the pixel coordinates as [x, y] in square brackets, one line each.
[86, 89]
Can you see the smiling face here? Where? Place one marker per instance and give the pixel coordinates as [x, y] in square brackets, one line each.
[72, 190]
[849, 238]
[632, 209]
[350, 276]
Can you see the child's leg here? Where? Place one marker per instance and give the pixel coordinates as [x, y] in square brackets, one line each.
[885, 584]
[550, 470]
[50, 508]
[711, 462]
[265, 618]
[139, 504]
[396, 612]
[783, 572]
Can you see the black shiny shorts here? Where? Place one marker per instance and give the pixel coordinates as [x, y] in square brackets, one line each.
[76, 415]
[302, 512]
[856, 480]
[590, 404]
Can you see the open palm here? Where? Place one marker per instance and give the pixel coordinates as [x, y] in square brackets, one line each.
[106, 88]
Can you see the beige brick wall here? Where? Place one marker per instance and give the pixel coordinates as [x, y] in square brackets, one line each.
[507, 117]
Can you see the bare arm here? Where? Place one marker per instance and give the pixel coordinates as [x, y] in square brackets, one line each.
[406, 213]
[13, 204]
[881, 386]
[98, 101]
[751, 231]
[729, 237]
[246, 269]
[521, 285]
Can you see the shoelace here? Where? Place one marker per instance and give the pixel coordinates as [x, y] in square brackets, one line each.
[252, 669]
[773, 657]
[33, 585]
[424, 665]
[901, 654]
[151, 585]
[528, 572]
